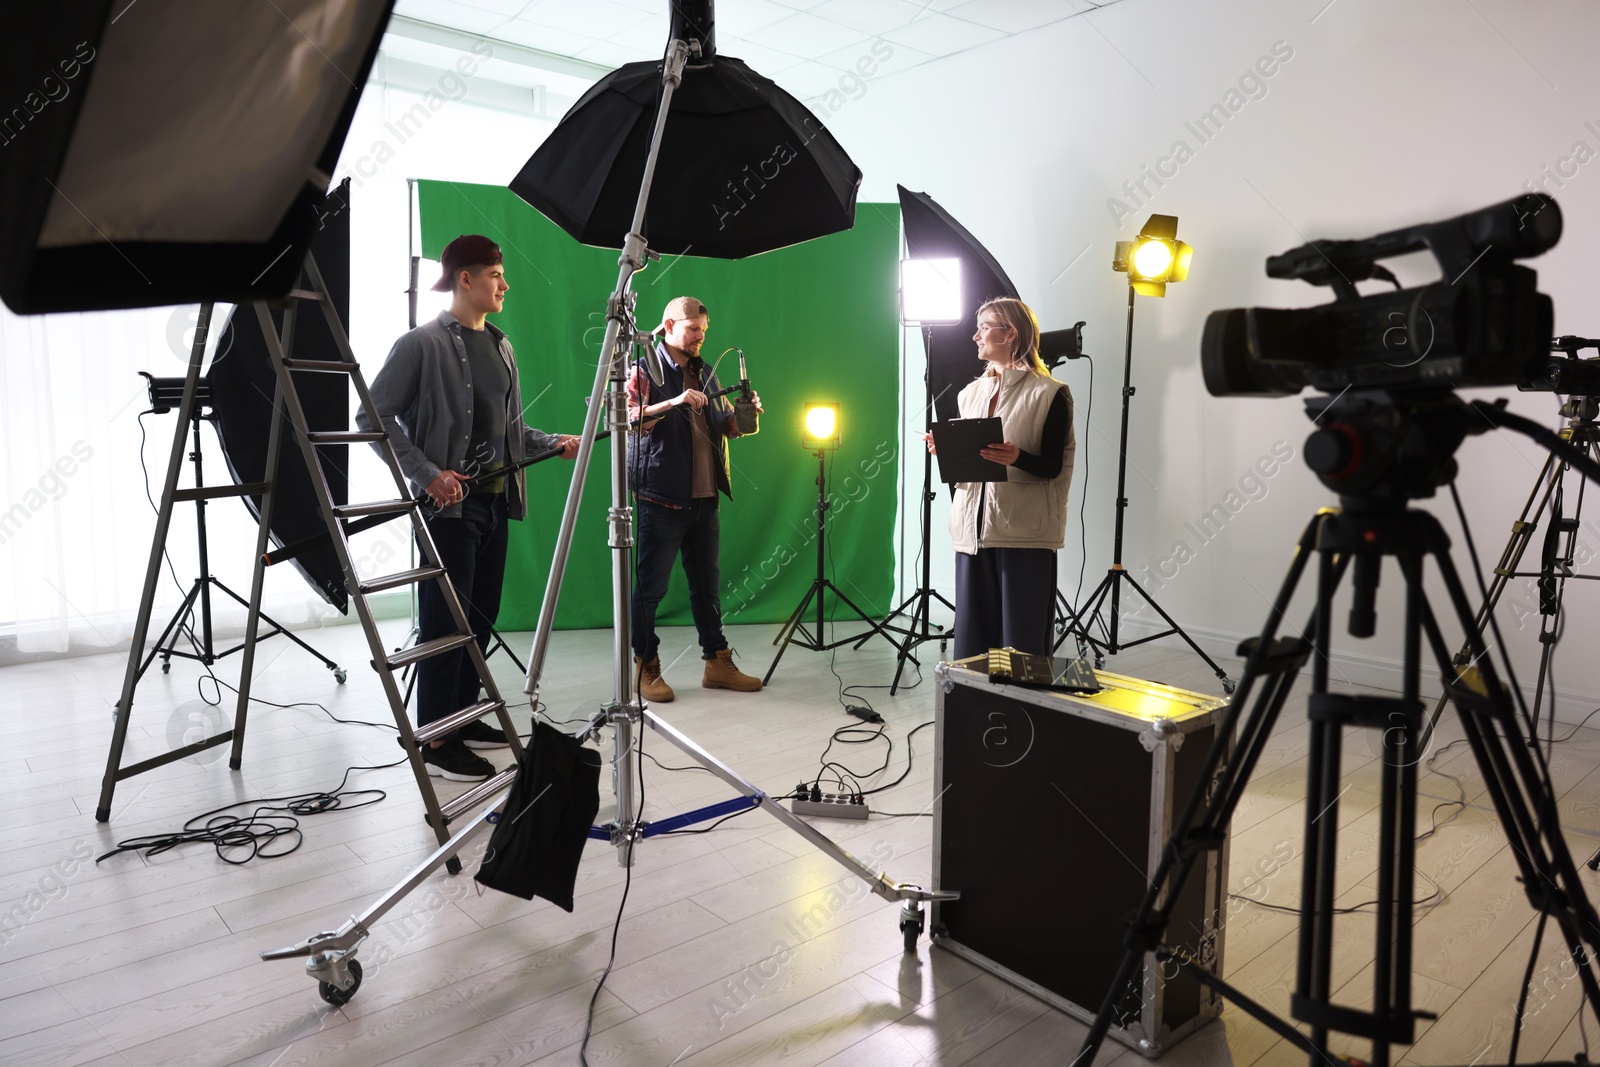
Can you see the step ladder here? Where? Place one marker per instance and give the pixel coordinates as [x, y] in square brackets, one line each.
[338, 519]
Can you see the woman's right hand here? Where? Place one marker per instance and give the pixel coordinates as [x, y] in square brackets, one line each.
[927, 439]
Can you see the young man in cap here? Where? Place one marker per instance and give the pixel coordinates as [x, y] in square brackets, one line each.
[680, 465]
[450, 402]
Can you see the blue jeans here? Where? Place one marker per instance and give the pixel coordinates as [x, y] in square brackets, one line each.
[664, 534]
[473, 552]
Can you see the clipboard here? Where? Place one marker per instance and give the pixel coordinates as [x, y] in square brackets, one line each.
[958, 442]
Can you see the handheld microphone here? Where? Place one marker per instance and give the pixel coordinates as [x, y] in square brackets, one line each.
[745, 415]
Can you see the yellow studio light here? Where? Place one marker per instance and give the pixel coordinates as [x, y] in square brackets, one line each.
[821, 426]
[1152, 259]
[1155, 257]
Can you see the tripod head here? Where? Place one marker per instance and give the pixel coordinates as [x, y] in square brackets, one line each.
[1387, 446]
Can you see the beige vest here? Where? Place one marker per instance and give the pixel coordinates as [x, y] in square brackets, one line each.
[1023, 511]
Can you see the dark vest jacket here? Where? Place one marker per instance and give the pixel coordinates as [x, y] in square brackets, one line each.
[661, 467]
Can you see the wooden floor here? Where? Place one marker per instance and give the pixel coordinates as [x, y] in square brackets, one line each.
[153, 960]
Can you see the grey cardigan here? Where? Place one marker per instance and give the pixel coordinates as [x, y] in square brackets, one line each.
[423, 394]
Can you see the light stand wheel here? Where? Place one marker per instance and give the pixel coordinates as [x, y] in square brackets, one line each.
[911, 923]
[340, 997]
[340, 674]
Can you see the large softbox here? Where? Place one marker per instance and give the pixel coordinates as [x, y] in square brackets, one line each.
[242, 383]
[170, 151]
[931, 233]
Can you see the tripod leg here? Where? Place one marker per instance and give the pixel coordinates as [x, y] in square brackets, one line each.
[786, 634]
[1172, 623]
[247, 662]
[1522, 532]
[1219, 785]
[1091, 612]
[1518, 781]
[501, 646]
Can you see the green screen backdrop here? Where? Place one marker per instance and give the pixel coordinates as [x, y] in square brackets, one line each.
[817, 322]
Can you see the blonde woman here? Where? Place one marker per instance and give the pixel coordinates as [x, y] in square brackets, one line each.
[1006, 534]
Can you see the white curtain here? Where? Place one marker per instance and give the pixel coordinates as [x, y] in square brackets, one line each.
[75, 524]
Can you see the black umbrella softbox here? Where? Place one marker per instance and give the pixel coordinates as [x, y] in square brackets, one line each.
[744, 167]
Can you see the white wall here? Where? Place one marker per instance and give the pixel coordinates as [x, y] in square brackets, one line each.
[1387, 114]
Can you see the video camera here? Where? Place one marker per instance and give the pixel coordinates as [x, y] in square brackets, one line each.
[1483, 324]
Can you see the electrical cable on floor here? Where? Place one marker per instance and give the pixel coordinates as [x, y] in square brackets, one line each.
[1583, 1032]
[855, 778]
[627, 883]
[1431, 901]
[663, 766]
[1568, 736]
[221, 685]
[713, 826]
[256, 831]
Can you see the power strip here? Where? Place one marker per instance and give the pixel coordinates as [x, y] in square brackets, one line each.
[831, 806]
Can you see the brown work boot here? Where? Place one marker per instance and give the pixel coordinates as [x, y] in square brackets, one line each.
[652, 686]
[722, 674]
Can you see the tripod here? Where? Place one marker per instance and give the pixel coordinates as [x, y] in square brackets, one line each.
[200, 591]
[918, 629]
[1583, 433]
[1110, 586]
[1405, 450]
[821, 586]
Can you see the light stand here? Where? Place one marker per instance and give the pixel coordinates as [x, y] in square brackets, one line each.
[1149, 271]
[930, 295]
[204, 644]
[822, 441]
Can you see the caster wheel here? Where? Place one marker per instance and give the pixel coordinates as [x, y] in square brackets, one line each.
[453, 865]
[340, 997]
[910, 932]
[1229, 685]
[340, 674]
[166, 666]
